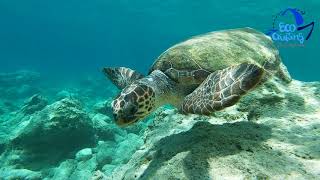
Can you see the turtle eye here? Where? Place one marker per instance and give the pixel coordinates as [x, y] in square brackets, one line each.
[115, 115]
[133, 109]
[121, 103]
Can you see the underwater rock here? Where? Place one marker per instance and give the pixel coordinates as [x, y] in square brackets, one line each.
[6, 173]
[272, 133]
[85, 169]
[62, 123]
[98, 175]
[103, 107]
[126, 148]
[11, 159]
[262, 101]
[108, 169]
[34, 104]
[73, 169]
[84, 154]
[44, 138]
[105, 129]
[105, 152]
[65, 169]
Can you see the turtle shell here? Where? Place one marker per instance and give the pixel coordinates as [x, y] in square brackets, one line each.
[204, 54]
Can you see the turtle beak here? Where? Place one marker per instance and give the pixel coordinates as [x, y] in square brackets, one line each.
[121, 122]
[118, 121]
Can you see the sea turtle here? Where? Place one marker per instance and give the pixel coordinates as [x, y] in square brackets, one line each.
[200, 76]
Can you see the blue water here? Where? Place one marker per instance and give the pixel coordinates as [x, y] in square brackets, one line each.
[57, 122]
[75, 38]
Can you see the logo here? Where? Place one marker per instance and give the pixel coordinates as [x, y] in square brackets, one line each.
[290, 29]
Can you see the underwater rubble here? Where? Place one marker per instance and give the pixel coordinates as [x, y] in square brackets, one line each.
[18, 84]
[68, 133]
[272, 133]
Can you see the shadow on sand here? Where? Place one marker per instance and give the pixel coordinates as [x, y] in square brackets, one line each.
[204, 141]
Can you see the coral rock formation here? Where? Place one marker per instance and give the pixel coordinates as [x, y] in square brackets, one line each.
[272, 133]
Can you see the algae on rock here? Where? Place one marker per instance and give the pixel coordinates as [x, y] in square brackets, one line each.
[63, 124]
[272, 133]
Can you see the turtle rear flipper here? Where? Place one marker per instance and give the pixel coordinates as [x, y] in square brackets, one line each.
[284, 74]
[222, 89]
[121, 76]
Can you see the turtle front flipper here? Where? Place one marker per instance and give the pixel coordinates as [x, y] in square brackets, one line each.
[222, 89]
[121, 76]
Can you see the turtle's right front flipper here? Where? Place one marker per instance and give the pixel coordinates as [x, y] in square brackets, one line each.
[222, 89]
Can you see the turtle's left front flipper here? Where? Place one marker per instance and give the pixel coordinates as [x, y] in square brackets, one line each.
[222, 89]
[121, 76]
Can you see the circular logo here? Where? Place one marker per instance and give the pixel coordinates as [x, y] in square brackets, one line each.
[288, 26]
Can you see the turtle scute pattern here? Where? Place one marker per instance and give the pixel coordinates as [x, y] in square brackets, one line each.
[219, 50]
[140, 96]
[222, 89]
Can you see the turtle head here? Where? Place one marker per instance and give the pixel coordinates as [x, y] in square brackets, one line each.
[135, 102]
[137, 98]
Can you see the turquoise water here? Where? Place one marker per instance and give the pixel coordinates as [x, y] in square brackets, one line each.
[56, 120]
[72, 38]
